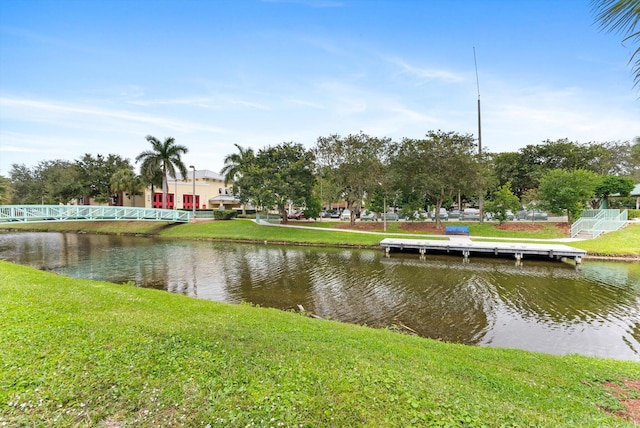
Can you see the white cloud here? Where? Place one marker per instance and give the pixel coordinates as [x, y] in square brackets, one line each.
[425, 75]
[72, 115]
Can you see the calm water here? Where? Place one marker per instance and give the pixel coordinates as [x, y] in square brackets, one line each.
[540, 306]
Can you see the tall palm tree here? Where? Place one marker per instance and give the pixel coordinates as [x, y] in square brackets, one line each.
[234, 163]
[165, 156]
[622, 16]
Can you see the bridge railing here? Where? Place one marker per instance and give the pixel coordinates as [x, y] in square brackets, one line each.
[33, 213]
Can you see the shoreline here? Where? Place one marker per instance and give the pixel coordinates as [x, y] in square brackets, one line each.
[588, 256]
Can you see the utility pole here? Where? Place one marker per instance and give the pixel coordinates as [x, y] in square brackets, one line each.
[481, 196]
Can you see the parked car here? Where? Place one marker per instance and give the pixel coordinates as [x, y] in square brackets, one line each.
[299, 215]
[335, 214]
[470, 214]
[532, 215]
[390, 216]
[420, 215]
[454, 213]
[492, 216]
[346, 214]
[444, 215]
[368, 215]
[325, 214]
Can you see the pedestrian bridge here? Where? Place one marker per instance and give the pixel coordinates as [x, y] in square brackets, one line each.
[40, 213]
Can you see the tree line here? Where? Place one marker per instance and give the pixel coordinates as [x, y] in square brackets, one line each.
[441, 169]
[100, 178]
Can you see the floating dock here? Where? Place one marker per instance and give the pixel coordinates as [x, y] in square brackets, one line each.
[466, 246]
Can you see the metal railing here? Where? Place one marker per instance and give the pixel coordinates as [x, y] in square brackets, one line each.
[38, 213]
[597, 222]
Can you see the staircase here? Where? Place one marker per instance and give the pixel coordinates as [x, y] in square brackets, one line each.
[594, 223]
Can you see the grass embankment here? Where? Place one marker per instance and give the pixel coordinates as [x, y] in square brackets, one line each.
[133, 227]
[85, 353]
[623, 243]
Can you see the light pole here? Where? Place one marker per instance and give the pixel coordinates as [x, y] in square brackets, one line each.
[193, 202]
[384, 207]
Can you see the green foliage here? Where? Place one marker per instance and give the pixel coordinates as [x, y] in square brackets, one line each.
[96, 354]
[354, 165]
[59, 181]
[503, 199]
[277, 176]
[225, 214]
[526, 167]
[622, 16]
[312, 208]
[126, 181]
[437, 167]
[567, 191]
[5, 190]
[611, 185]
[234, 164]
[94, 174]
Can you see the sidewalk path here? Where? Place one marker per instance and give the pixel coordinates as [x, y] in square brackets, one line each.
[419, 235]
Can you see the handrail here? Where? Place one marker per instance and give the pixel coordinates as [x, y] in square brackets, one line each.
[609, 224]
[40, 213]
[598, 222]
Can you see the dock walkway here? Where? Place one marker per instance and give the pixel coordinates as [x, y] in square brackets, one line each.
[466, 246]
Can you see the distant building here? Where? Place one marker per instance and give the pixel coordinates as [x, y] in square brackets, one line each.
[210, 192]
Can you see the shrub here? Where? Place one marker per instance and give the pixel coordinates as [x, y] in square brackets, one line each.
[224, 214]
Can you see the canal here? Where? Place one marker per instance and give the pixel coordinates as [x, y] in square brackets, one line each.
[551, 307]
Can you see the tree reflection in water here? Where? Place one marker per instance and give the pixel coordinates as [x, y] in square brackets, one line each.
[541, 306]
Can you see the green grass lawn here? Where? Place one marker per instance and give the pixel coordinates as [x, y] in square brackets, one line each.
[84, 353]
[624, 242]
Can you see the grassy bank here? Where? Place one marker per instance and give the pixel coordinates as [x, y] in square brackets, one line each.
[624, 243]
[84, 353]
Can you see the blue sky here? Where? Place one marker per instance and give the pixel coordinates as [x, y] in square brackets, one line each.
[89, 76]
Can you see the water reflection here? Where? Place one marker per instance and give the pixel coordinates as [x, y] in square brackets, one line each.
[540, 306]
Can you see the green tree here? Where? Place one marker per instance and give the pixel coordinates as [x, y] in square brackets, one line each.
[54, 181]
[234, 164]
[622, 16]
[526, 167]
[165, 156]
[312, 207]
[125, 182]
[436, 167]
[634, 160]
[611, 185]
[60, 181]
[26, 188]
[354, 164]
[563, 191]
[278, 176]
[5, 190]
[502, 200]
[94, 174]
